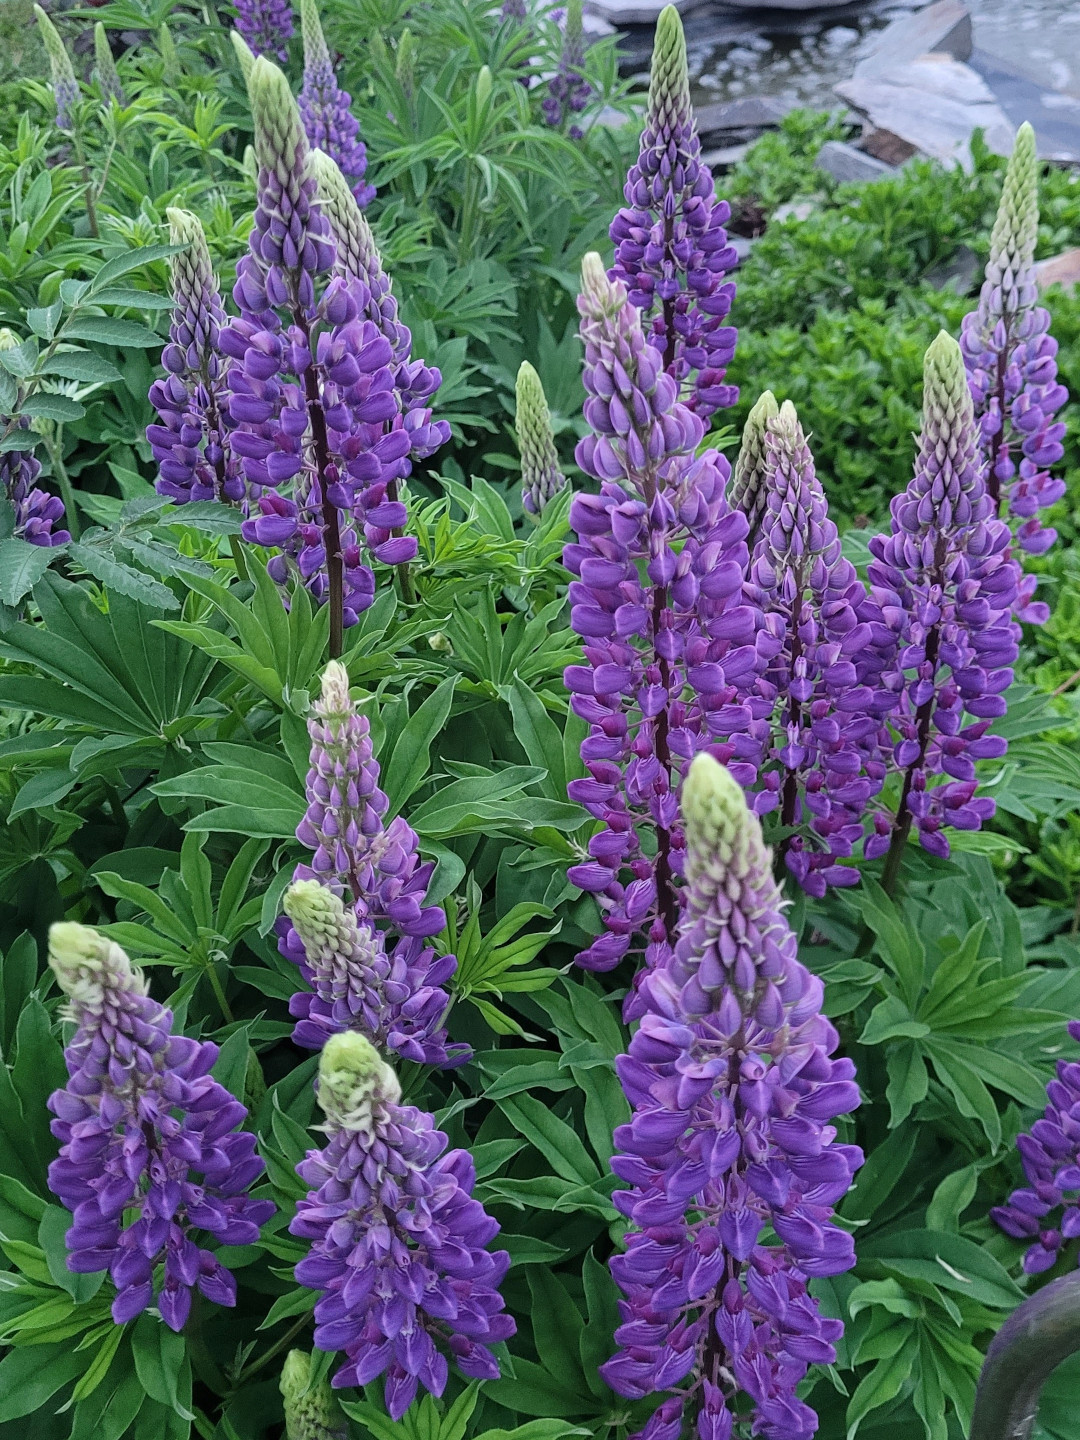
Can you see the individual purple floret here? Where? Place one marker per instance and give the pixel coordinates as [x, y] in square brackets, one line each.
[324, 108]
[733, 1094]
[398, 1242]
[1051, 1160]
[568, 91]
[191, 444]
[358, 258]
[806, 733]
[139, 1118]
[1012, 370]
[658, 563]
[364, 954]
[313, 393]
[266, 25]
[946, 584]
[671, 247]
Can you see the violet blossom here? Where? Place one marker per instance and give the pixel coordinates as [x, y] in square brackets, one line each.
[398, 1242]
[266, 25]
[355, 920]
[191, 443]
[35, 510]
[1040, 1212]
[541, 478]
[1012, 370]
[946, 583]
[324, 108]
[658, 561]
[806, 731]
[139, 1119]
[312, 386]
[671, 247]
[733, 1093]
[568, 91]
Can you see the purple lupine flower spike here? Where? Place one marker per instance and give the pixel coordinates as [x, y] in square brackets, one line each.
[733, 1091]
[64, 84]
[671, 247]
[266, 25]
[1041, 1212]
[191, 444]
[139, 1118]
[324, 108]
[358, 257]
[36, 511]
[807, 733]
[568, 90]
[658, 562]
[946, 583]
[515, 10]
[364, 955]
[1012, 368]
[398, 1243]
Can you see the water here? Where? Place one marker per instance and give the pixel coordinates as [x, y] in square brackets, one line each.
[800, 57]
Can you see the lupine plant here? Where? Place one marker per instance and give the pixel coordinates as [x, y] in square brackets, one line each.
[315, 787]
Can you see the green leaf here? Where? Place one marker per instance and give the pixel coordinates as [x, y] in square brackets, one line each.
[160, 1360]
[881, 1385]
[31, 1375]
[951, 1261]
[55, 1223]
[410, 762]
[44, 406]
[909, 1081]
[535, 1391]
[21, 567]
[555, 1140]
[539, 736]
[85, 365]
[891, 1019]
[108, 331]
[20, 1211]
[45, 788]
[130, 260]
[124, 579]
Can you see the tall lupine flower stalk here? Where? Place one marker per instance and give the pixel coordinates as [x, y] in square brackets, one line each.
[1040, 1212]
[358, 258]
[658, 561]
[747, 489]
[1012, 370]
[733, 1091]
[355, 920]
[311, 1411]
[312, 386]
[541, 478]
[568, 90]
[324, 108]
[36, 511]
[398, 1242]
[108, 78]
[191, 444]
[266, 25]
[149, 1146]
[671, 247]
[64, 84]
[946, 584]
[806, 735]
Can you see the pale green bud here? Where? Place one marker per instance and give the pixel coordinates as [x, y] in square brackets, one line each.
[311, 1411]
[947, 405]
[192, 270]
[405, 66]
[721, 833]
[1016, 228]
[541, 478]
[354, 1083]
[483, 86]
[249, 162]
[315, 47]
[8, 339]
[669, 79]
[65, 86]
[244, 54]
[87, 964]
[747, 491]
[280, 143]
[356, 252]
[108, 79]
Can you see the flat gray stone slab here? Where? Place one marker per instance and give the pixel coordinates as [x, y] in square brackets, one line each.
[944, 26]
[843, 162]
[754, 112]
[638, 12]
[1054, 114]
[934, 103]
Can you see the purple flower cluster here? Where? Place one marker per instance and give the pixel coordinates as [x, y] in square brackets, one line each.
[36, 511]
[141, 1113]
[1051, 1160]
[946, 583]
[324, 108]
[568, 91]
[671, 247]
[733, 1091]
[1012, 369]
[312, 388]
[393, 992]
[805, 733]
[191, 444]
[658, 563]
[398, 1242]
[266, 25]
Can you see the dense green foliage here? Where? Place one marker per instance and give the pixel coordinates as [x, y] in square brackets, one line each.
[153, 746]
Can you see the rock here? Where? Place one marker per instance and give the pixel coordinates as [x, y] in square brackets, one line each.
[785, 4]
[727, 156]
[1061, 269]
[794, 210]
[843, 162]
[754, 112]
[884, 145]
[959, 272]
[742, 245]
[594, 24]
[944, 26]
[1055, 116]
[934, 103]
[638, 12]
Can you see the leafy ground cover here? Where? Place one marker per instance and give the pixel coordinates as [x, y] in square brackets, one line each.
[155, 752]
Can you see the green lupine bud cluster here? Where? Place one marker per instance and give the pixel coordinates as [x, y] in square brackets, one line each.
[541, 478]
[311, 1410]
[65, 86]
[1016, 228]
[747, 489]
[356, 250]
[108, 78]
